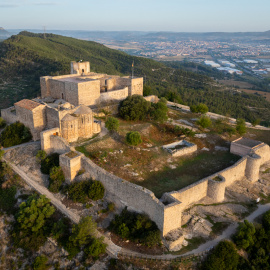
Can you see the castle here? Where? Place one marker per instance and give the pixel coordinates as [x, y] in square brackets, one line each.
[66, 103]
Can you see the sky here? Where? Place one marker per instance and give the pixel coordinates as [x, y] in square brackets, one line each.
[139, 15]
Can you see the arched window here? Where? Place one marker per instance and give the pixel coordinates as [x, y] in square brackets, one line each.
[62, 96]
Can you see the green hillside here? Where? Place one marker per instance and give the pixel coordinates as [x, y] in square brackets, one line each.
[26, 57]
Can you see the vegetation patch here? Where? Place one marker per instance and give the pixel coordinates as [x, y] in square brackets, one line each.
[14, 134]
[136, 227]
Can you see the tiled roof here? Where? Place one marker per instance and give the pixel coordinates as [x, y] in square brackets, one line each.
[27, 104]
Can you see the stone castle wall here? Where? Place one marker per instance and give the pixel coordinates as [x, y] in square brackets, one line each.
[116, 95]
[9, 115]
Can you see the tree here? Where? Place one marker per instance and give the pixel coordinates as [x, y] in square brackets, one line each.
[112, 124]
[223, 257]
[34, 213]
[95, 248]
[15, 134]
[200, 108]
[96, 191]
[241, 126]
[255, 122]
[78, 191]
[56, 179]
[245, 235]
[2, 152]
[83, 232]
[147, 91]
[173, 97]
[159, 111]
[134, 108]
[49, 162]
[204, 121]
[266, 221]
[133, 138]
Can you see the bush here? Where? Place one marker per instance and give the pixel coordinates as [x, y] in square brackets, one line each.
[241, 126]
[266, 221]
[200, 108]
[173, 97]
[49, 162]
[136, 227]
[133, 138]
[159, 111]
[134, 108]
[40, 263]
[41, 155]
[204, 122]
[7, 199]
[78, 191]
[112, 124]
[147, 91]
[15, 134]
[56, 179]
[2, 122]
[96, 191]
[96, 248]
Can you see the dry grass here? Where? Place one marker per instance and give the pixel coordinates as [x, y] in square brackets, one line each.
[236, 83]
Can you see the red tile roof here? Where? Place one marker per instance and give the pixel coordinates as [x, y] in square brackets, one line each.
[27, 104]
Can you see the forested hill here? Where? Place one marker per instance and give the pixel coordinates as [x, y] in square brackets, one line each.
[26, 57]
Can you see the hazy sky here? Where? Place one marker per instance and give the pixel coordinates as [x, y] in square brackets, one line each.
[146, 15]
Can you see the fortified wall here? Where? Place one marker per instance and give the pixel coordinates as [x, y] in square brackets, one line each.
[167, 212]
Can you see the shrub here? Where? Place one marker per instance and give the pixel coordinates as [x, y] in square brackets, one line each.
[96, 191]
[78, 191]
[255, 122]
[241, 126]
[173, 97]
[112, 124]
[49, 162]
[95, 248]
[111, 206]
[147, 91]
[40, 263]
[133, 138]
[7, 199]
[2, 152]
[134, 108]
[15, 134]
[56, 179]
[41, 155]
[159, 111]
[204, 121]
[2, 122]
[200, 108]
[136, 227]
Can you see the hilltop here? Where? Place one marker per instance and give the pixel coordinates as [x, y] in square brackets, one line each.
[25, 57]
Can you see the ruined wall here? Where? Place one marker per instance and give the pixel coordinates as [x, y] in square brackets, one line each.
[235, 172]
[192, 193]
[239, 150]
[9, 115]
[264, 152]
[136, 197]
[189, 149]
[52, 117]
[152, 98]
[88, 92]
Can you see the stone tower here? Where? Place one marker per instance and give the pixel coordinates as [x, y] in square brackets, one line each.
[69, 128]
[85, 121]
[79, 68]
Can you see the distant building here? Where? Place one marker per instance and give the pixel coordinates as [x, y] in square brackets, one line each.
[230, 70]
[212, 64]
[248, 61]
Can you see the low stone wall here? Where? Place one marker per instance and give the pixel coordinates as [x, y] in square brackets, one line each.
[188, 149]
[9, 115]
[264, 152]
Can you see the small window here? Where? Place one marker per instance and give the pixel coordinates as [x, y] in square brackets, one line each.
[62, 96]
[83, 70]
[71, 126]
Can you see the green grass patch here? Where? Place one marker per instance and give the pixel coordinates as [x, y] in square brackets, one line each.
[189, 171]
